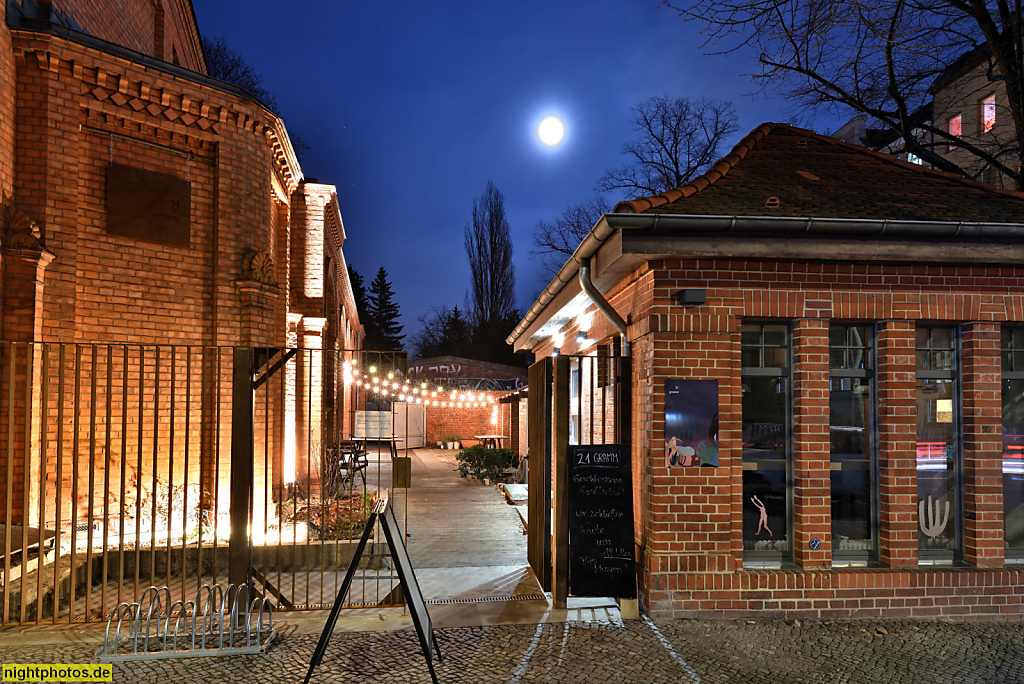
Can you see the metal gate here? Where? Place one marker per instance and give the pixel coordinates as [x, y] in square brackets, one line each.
[297, 549]
[125, 466]
[572, 400]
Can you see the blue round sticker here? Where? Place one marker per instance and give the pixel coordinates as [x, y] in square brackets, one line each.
[815, 544]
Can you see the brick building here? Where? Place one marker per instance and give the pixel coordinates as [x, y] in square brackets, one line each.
[861, 318]
[145, 203]
[488, 381]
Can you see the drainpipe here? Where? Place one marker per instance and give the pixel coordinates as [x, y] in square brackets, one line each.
[602, 304]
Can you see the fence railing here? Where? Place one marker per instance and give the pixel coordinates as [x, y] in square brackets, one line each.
[116, 471]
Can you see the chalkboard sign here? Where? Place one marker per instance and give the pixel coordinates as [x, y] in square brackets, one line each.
[384, 514]
[601, 559]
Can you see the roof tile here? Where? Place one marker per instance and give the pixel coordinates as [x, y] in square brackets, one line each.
[815, 176]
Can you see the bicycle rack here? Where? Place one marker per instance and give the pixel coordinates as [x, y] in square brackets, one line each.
[218, 622]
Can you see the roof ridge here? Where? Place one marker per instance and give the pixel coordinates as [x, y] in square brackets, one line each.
[715, 173]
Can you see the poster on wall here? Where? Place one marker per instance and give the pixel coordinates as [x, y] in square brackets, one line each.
[691, 423]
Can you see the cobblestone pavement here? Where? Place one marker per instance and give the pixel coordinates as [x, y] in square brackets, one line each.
[610, 651]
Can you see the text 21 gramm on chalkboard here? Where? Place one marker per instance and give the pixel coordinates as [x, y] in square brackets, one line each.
[601, 559]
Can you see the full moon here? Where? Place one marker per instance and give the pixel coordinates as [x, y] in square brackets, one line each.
[551, 130]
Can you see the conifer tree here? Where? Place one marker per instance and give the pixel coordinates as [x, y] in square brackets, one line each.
[383, 331]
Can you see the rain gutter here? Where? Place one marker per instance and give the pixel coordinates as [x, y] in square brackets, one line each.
[768, 226]
[602, 304]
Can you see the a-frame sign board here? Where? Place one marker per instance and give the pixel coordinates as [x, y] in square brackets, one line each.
[383, 512]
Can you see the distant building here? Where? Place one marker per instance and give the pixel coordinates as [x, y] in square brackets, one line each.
[885, 140]
[969, 100]
[456, 372]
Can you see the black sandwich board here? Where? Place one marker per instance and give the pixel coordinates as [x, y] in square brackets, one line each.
[601, 558]
[417, 607]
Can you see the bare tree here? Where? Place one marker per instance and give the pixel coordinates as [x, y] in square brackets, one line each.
[676, 140]
[880, 58]
[488, 239]
[445, 332]
[226, 64]
[555, 241]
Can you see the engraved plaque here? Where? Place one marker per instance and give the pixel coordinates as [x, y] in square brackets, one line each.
[148, 206]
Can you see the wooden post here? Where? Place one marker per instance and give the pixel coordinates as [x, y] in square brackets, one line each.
[560, 448]
[538, 540]
[629, 609]
[239, 549]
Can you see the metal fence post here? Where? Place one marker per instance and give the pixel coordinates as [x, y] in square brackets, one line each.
[242, 402]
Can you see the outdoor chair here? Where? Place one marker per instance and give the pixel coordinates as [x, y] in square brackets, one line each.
[352, 460]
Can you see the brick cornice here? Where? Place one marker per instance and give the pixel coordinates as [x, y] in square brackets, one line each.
[127, 90]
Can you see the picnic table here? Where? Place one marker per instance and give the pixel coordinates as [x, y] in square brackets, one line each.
[490, 441]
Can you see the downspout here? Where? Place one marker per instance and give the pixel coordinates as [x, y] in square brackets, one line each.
[602, 304]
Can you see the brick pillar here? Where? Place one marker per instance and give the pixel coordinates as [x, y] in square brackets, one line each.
[897, 444]
[812, 510]
[22, 302]
[309, 399]
[982, 444]
[258, 301]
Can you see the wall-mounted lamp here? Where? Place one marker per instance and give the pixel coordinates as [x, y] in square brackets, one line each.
[690, 297]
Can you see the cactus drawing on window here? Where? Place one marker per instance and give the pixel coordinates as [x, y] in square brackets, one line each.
[928, 516]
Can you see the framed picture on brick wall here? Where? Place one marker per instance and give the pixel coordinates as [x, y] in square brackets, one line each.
[691, 423]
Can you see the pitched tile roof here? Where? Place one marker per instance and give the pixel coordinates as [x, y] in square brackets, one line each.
[781, 170]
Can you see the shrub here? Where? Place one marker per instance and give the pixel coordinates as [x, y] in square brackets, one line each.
[481, 462]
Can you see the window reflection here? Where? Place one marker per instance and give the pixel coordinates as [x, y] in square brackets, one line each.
[851, 444]
[937, 450]
[766, 498]
[1013, 441]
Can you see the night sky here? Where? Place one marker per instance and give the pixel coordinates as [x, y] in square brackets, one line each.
[409, 108]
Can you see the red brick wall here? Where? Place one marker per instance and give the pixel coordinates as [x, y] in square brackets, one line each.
[688, 523]
[465, 422]
[102, 287]
[8, 76]
[135, 24]
[78, 109]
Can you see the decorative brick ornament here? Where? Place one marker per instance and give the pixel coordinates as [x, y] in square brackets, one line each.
[259, 266]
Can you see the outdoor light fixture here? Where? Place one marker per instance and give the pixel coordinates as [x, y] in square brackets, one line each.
[689, 297]
[373, 369]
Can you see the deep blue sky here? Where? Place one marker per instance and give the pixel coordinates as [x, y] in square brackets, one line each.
[409, 108]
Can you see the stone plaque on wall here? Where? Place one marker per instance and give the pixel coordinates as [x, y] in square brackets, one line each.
[148, 206]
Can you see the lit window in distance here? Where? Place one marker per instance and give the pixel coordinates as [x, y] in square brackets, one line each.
[988, 113]
[955, 128]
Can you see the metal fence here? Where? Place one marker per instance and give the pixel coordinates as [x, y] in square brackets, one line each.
[116, 474]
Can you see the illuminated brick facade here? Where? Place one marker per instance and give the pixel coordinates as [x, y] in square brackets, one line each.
[786, 232]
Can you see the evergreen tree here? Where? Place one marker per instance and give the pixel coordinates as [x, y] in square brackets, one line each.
[382, 313]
